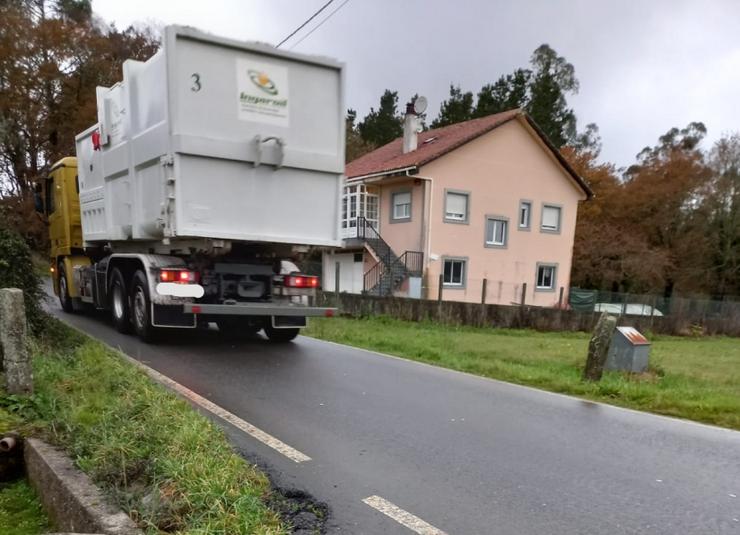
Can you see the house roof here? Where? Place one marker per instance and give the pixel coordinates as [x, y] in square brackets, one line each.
[432, 144]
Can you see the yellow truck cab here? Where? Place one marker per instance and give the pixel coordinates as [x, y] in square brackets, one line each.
[61, 205]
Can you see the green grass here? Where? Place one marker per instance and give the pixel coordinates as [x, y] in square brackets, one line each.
[169, 467]
[693, 378]
[20, 510]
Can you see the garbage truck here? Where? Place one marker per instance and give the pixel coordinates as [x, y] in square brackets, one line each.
[213, 168]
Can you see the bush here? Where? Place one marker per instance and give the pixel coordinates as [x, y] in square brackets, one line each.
[17, 271]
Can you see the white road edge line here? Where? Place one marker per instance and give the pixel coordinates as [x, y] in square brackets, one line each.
[244, 426]
[255, 432]
[414, 523]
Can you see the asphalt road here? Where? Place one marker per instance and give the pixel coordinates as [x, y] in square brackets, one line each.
[465, 454]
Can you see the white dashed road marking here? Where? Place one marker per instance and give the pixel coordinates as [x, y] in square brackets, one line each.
[255, 432]
[414, 523]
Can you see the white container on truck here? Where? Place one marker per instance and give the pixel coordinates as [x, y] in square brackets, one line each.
[213, 167]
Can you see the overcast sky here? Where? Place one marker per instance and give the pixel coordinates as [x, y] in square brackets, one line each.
[643, 66]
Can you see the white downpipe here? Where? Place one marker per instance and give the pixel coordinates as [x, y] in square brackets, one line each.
[428, 246]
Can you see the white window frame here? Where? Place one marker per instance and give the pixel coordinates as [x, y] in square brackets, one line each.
[494, 244]
[544, 265]
[528, 204]
[403, 218]
[463, 274]
[466, 216]
[550, 230]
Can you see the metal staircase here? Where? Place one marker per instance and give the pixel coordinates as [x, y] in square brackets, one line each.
[390, 271]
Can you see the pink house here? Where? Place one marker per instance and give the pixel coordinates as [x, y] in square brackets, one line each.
[484, 209]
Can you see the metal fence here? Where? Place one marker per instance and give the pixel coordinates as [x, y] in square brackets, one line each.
[629, 304]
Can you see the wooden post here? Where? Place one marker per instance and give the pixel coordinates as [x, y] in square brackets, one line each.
[336, 282]
[16, 360]
[560, 298]
[439, 288]
[483, 292]
[524, 293]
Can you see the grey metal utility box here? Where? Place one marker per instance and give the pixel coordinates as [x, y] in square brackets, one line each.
[629, 351]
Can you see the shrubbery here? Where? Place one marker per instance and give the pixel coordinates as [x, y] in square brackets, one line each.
[17, 271]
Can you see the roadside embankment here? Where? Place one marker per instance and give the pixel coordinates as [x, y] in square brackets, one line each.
[168, 467]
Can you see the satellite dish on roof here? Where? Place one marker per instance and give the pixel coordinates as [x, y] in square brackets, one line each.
[420, 105]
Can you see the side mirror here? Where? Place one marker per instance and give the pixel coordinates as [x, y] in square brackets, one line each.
[38, 200]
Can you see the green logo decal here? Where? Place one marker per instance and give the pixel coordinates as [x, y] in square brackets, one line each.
[261, 80]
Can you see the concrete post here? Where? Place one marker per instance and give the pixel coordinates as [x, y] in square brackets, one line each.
[483, 292]
[524, 293]
[439, 288]
[337, 273]
[598, 347]
[16, 360]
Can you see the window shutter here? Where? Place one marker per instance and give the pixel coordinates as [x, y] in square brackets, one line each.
[551, 217]
[402, 198]
[457, 204]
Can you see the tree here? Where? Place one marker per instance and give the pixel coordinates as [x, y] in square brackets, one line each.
[588, 141]
[384, 125]
[507, 93]
[609, 252]
[355, 146]
[552, 78]
[457, 108]
[723, 202]
[52, 56]
[540, 90]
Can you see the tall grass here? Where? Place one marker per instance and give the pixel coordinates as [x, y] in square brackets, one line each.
[170, 468]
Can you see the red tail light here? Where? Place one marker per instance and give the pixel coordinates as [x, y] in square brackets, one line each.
[301, 281]
[181, 276]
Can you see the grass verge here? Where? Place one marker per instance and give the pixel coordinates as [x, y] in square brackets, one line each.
[169, 467]
[693, 378]
[20, 510]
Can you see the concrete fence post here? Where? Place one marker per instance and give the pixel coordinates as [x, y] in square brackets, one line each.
[439, 288]
[524, 293]
[560, 298]
[337, 272]
[16, 360]
[483, 292]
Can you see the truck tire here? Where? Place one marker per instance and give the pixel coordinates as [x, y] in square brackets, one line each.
[141, 307]
[280, 335]
[64, 299]
[119, 303]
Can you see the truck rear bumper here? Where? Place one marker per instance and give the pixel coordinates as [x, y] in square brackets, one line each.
[258, 309]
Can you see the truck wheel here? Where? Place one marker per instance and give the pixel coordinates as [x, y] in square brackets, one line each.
[64, 299]
[280, 335]
[119, 302]
[141, 308]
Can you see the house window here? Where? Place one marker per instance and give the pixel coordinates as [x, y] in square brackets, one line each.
[454, 272]
[496, 231]
[546, 277]
[550, 218]
[401, 206]
[525, 214]
[456, 206]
